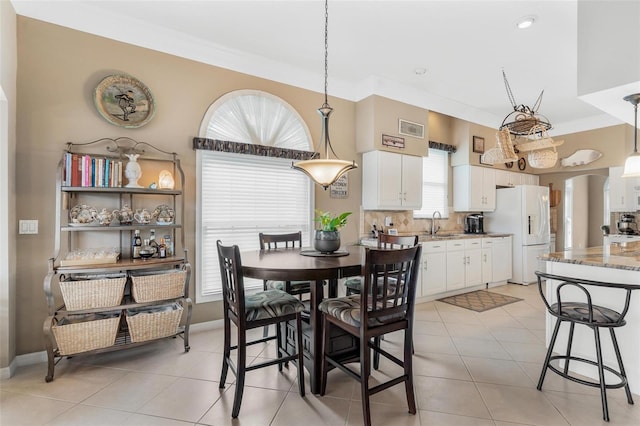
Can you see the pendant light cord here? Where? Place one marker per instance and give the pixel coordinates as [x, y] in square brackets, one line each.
[635, 128]
[326, 51]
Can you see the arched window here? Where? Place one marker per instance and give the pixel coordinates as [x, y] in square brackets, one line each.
[256, 117]
[247, 142]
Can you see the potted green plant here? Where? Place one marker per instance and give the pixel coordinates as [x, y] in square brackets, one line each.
[327, 238]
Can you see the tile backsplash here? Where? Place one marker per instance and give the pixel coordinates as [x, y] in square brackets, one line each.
[404, 222]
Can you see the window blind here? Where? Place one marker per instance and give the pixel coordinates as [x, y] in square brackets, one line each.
[435, 184]
[238, 197]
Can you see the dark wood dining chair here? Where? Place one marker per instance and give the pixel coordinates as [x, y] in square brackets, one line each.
[353, 285]
[385, 305]
[297, 288]
[252, 311]
[274, 241]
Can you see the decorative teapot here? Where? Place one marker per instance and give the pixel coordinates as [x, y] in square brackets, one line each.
[104, 217]
[163, 214]
[124, 215]
[142, 216]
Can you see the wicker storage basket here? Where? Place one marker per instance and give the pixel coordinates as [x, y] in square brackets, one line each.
[148, 288]
[543, 159]
[153, 322]
[503, 151]
[87, 294]
[81, 333]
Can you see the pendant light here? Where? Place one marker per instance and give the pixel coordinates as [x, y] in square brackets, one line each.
[325, 171]
[632, 164]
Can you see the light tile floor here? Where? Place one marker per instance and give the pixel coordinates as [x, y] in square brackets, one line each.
[470, 369]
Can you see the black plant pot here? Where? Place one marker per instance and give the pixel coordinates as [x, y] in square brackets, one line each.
[327, 241]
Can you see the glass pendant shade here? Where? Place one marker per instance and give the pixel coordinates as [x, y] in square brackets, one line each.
[632, 164]
[325, 171]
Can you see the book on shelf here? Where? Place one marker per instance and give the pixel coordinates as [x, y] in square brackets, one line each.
[87, 171]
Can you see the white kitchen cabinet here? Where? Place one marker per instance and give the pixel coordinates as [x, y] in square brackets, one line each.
[506, 178]
[455, 268]
[502, 256]
[623, 192]
[474, 189]
[509, 179]
[391, 181]
[433, 270]
[473, 265]
[529, 179]
[464, 267]
[487, 265]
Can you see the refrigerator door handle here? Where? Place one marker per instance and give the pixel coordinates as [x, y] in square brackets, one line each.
[529, 223]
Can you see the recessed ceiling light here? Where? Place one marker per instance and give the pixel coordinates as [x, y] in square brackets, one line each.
[525, 22]
[420, 71]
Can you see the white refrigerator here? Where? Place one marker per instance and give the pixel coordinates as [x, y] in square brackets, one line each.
[523, 211]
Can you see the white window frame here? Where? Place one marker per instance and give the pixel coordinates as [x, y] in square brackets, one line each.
[439, 159]
[254, 117]
[245, 231]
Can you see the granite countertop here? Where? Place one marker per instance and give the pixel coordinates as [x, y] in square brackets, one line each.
[425, 237]
[615, 255]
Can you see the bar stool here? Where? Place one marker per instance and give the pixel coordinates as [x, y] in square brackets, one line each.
[594, 317]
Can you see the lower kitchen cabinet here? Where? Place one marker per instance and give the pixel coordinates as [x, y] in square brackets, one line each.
[453, 265]
[433, 268]
[464, 267]
[473, 265]
[487, 264]
[502, 259]
[456, 261]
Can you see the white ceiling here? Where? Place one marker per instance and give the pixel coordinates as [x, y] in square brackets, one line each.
[374, 47]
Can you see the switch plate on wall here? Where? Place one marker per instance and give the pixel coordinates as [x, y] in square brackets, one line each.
[28, 227]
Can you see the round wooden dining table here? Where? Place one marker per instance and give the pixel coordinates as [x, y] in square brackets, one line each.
[288, 264]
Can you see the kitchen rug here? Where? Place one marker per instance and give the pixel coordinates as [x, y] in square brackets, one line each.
[479, 300]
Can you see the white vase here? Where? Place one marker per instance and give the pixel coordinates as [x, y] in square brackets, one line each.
[132, 171]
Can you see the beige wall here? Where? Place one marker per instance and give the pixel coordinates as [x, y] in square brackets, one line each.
[58, 71]
[377, 116]
[8, 97]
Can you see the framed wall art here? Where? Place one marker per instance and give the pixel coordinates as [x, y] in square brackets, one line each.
[340, 188]
[124, 101]
[409, 128]
[393, 141]
[478, 144]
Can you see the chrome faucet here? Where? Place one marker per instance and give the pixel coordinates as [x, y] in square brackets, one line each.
[435, 228]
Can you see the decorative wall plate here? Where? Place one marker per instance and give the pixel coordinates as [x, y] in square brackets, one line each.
[522, 163]
[124, 101]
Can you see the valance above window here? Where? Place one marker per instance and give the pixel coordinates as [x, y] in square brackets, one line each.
[252, 149]
[443, 147]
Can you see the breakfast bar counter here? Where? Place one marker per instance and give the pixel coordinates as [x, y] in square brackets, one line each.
[610, 263]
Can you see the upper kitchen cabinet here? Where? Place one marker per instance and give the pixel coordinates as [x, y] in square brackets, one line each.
[391, 181]
[505, 178]
[377, 116]
[474, 189]
[624, 193]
